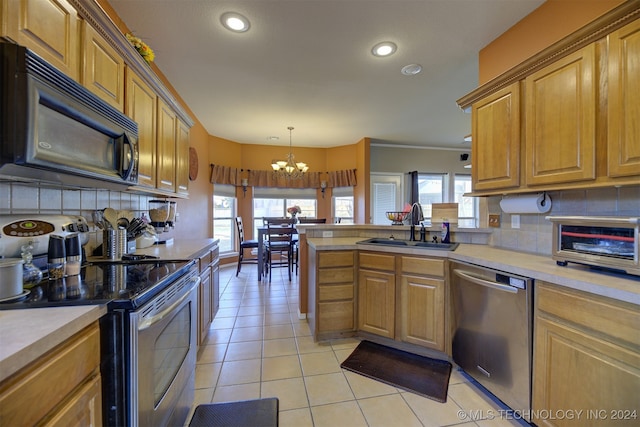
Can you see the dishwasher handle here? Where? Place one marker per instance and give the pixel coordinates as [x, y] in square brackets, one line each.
[482, 282]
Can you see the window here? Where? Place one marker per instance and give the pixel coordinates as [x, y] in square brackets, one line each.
[467, 206]
[275, 201]
[224, 213]
[431, 190]
[437, 188]
[343, 204]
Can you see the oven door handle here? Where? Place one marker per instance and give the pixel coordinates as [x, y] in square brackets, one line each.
[149, 322]
[482, 282]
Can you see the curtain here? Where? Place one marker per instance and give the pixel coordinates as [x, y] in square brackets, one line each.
[233, 176]
[344, 178]
[226, 175]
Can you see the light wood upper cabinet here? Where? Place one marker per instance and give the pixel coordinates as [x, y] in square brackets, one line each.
[141, 107]
[166, 147]
[586, 357]
[49, 28]
[495, 151]
[623, 107]
[182, 158]
[561, 120]
[103, 68]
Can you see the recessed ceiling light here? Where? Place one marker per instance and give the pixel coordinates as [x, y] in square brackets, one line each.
[411, 69]
[235, 22]
[384, 49]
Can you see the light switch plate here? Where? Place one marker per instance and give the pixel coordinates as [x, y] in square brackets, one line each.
[494, 220]
[515, 221]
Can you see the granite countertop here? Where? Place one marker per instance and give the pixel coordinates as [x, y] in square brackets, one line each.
[574, 276]
[27, 334]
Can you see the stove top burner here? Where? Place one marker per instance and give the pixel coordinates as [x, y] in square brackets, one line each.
[123, 284]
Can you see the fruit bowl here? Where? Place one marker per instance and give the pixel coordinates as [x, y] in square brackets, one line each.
[397, 217]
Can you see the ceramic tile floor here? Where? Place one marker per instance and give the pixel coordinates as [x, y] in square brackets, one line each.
[257, 347]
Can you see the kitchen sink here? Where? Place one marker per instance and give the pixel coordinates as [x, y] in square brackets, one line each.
[409, 243]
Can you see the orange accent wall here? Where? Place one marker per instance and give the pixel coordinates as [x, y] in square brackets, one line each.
[551, 22]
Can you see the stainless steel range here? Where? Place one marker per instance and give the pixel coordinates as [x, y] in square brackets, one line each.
[148, 336]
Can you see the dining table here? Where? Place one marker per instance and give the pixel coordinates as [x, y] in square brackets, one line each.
[262, 230]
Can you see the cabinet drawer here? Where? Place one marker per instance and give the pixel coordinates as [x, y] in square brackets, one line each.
[377, 261]
[336, 275]
[37, 389]
[422, 266]
[335, 316]
[205, 261]
[613, 318]
[335, 259]
[335, 292]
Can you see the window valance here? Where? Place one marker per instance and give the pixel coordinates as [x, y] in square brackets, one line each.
[256, 178]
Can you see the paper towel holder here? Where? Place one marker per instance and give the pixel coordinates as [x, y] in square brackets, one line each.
[525, 204]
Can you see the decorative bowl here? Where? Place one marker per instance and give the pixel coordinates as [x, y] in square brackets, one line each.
[397, 217]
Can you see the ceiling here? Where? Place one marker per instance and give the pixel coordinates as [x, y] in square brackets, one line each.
[308, 64]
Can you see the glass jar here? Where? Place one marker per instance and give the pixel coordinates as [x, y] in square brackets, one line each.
[158, 212]
[31, 275]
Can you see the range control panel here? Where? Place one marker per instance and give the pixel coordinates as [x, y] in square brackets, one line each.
[28, 228]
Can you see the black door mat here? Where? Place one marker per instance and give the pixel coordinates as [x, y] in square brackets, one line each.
[243, 413]
[419, 374]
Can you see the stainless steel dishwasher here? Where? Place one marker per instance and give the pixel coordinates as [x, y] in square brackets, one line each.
[493, 336]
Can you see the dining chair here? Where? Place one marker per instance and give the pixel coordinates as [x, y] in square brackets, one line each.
[279, 245]
[306, 220]
[244, 244]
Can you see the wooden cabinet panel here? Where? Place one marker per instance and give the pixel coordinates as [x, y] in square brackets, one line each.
[166, 147]
[333, 310]
[204, 304]
[623, 107]
[335, 316]
[582, 360]
[83, 409]
[182, 158]
[423, 266]
[561, 120]
[377, 302]
[377, 261]
[422, 311]
[43, 390]
[335, 259]
[335, 292]
[141, 107]
[103, 68]
[49, 28]
[336, 275]
[495, 149]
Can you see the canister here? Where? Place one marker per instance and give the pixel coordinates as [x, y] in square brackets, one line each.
[10, 277]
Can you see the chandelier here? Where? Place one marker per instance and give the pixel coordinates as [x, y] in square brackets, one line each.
[289, 168]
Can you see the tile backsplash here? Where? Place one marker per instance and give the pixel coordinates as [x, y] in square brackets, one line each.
[46, 199]
[534, 234]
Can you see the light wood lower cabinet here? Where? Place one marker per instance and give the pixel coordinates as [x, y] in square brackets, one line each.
[422, 308]
[586, 358]
[377, 294]
[62, 388]
[331, 301]
[209, 291]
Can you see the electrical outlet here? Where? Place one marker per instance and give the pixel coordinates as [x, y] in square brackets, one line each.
[494, 220]
[515, 221]
[327, 234]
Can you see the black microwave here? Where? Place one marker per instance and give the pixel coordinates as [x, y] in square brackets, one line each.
[52, 129]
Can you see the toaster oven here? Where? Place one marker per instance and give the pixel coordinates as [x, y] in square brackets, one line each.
[604, 242]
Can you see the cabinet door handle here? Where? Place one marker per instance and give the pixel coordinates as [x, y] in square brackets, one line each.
[486, 283]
